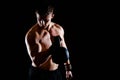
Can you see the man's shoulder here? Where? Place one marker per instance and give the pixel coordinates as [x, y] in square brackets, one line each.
[59, 28]
[57, 25]
[31, 30]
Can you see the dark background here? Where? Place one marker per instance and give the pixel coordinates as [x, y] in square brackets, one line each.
[86, 36]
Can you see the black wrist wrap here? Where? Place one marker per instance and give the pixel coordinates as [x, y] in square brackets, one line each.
[68, 67]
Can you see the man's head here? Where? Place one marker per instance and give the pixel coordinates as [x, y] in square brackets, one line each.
[44, 15]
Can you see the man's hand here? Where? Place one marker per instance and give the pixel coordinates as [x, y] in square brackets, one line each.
[69, 75]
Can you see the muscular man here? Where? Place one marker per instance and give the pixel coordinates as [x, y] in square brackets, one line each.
[39, 41]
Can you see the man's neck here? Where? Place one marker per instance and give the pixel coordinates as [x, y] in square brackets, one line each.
[48, 27]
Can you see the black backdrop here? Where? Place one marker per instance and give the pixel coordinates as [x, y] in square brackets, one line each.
[83, 24]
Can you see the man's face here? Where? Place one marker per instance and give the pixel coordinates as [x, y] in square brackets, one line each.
[44, 20]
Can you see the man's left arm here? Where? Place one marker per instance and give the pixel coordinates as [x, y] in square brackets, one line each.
[67, 64]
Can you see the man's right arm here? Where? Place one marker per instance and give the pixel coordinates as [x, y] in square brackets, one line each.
[35, 50]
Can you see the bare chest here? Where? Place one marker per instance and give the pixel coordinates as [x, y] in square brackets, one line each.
[45, 37]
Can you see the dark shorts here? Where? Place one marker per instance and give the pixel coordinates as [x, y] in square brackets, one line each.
[39, 74]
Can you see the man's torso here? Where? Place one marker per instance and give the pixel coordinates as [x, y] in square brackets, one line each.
[45, 39]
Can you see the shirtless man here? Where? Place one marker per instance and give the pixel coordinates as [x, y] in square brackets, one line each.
[38, 40]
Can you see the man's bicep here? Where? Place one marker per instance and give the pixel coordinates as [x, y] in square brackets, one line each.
[63, 44]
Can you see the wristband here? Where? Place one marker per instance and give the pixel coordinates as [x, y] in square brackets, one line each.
[68, 67]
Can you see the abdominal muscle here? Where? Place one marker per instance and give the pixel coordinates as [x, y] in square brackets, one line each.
[47, 65]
